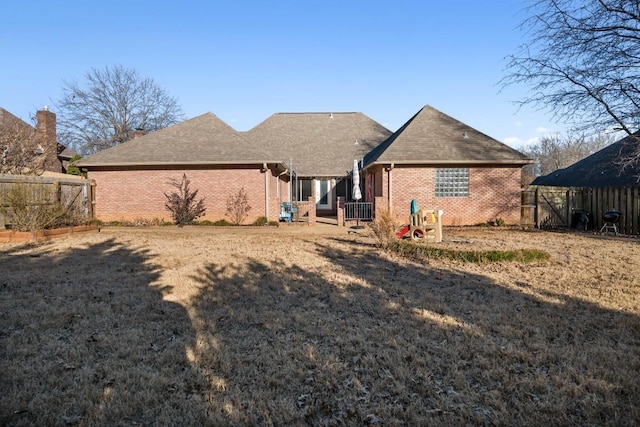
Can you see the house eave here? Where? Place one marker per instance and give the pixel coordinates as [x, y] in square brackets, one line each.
[258, 163]
[450, 162]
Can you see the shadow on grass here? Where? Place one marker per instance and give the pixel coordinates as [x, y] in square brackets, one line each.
[86, 340]
[374, 341]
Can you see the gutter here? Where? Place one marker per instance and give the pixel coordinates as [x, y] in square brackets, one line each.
[176, 164]
[454, 162]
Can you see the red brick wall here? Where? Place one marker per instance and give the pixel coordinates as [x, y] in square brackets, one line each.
[46, 137]
[139, 194]
[494, 192]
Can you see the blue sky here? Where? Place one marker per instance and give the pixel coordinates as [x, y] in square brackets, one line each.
[245, 60]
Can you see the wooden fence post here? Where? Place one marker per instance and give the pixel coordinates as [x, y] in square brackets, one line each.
[567, 202]
[635, 210]
[537, 208]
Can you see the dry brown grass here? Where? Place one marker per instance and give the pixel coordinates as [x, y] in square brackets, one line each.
[223, 327]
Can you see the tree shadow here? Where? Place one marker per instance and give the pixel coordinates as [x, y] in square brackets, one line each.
[86, 339]
[372, 340]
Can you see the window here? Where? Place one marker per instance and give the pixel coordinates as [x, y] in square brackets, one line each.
[452, 182]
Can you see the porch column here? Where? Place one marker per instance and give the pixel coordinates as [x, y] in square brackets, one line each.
[340, 210]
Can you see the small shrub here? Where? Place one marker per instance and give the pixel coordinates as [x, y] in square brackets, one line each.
[182, 203]
[221, 223]
[384, 228]
[31, 207]
[205, 223]
[260, 221]
[72, 169]
[238, 207]
[499, 222]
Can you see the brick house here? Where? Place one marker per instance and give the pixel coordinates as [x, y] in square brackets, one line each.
[445, 164]
[308, 157]
[320, 148]
[132, 178]
[41, 138]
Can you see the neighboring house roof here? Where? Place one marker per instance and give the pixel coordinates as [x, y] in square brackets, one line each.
[432, 137]
[601, 169]
[319, 144]
[66, 153]
[8, 121]
[201, 140]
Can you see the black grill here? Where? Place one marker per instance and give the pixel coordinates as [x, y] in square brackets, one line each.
[610, 219]
[611, 216]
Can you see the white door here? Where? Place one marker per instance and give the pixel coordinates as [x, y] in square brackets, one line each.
[323, 194]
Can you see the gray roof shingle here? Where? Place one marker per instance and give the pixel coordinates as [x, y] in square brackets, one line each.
[319, 144]
[601, 169]
[202, 140]
[432, 137]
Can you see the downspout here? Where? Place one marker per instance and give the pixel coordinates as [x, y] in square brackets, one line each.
[278, 182]
[390, 185]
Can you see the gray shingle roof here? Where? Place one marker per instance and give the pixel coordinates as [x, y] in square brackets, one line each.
[601, 169]
[432, 137]
[201, 140]
[319, 144]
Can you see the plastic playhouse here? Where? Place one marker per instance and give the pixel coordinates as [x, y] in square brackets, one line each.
[424, 225]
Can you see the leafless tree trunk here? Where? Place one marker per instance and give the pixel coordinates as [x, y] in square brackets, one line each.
[582, 62]
[110, 106]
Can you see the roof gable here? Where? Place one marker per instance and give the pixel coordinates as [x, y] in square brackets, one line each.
[431, 136]
[204, 139]
[601, 169]
[319, 144]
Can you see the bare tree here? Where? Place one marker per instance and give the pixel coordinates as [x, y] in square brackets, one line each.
[554, 152]
[110, 105]
[238, 207]
[582, 62]
[20, 152]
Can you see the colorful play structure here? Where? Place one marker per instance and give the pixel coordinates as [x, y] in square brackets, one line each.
[424, 225]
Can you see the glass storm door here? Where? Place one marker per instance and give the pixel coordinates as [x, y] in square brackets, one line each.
[323, 194]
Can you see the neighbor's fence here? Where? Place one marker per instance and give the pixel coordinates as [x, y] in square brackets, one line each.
[557, 207]
[362, 211]
[76, 195]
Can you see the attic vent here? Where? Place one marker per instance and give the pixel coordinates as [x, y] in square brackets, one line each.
[465, 135]
[331, 115]
[356, 142]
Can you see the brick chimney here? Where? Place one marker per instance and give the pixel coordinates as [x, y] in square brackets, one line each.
[46, 138]
[136, 133]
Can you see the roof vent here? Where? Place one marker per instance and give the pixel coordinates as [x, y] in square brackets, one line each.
[331, 115]
[465, 135]
[356, 143]
[45, 108]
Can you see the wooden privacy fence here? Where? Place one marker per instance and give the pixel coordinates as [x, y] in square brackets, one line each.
[556, 207]
[76, 195]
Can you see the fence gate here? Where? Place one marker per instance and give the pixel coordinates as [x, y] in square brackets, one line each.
[556, 207]
[76, 195]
